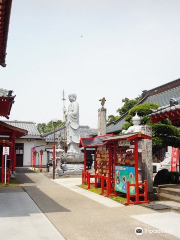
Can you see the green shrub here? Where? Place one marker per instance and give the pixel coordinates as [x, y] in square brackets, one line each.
[172, 178]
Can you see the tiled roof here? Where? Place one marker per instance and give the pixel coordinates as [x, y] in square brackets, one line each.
[5, 92]
[116, 126]
[163, 98]
[29, 126]
[85, 131]
[170, 111]
[160, 95]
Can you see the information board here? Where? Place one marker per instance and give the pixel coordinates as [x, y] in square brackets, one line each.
[123, 174]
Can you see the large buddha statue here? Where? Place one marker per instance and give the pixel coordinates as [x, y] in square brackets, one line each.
[72, 124]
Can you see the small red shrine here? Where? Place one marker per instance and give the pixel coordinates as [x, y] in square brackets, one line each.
[116, 166]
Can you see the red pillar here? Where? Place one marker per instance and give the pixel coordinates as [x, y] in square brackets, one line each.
[85, 159]
[136, 170]
[13, 153]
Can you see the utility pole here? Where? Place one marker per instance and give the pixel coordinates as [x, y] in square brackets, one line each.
[64, 107]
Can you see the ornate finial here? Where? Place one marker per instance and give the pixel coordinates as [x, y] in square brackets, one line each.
[103, 100]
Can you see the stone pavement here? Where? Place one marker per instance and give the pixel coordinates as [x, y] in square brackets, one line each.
[79, 217]
[20, 219]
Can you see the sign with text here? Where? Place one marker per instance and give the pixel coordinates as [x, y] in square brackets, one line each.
[174, 159]
[5, 150]
[124, 143]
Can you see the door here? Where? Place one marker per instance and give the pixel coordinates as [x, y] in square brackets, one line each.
[19, 154]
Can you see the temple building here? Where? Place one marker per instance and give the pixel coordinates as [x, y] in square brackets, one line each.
[168, 97]
[160, 95]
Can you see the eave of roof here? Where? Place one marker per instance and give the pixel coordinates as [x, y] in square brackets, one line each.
[6, 105]
[170, 111]
[19, 132]
[30, 127]
[163, 88]
[94, 142]
[128, 136]
[5, 12]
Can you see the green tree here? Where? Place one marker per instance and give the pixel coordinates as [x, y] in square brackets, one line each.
[128, 104]
[112, 118]
[45, 128]
[164, 133]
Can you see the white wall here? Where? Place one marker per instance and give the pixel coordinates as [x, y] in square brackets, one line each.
[39, 144]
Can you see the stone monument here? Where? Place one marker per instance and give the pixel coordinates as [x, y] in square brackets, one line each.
[102, 118]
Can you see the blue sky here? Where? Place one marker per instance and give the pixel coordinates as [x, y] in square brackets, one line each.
[113, 49]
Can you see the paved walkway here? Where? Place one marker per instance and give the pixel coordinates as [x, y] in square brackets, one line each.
[76, 216]
[73, 183]
[21, 219]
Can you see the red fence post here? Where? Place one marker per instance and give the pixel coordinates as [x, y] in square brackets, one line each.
[108, 187]
[95, 185]
[127, 193]
[88, 180]
[102, 185]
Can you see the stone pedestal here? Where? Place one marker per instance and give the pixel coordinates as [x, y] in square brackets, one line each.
[71, 169]
[101, 121]
[73, 157]
[147, 166]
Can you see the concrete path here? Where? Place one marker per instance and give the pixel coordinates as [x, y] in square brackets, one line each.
[167, 222]
[77, 217]
[73, 183]
[21, 219]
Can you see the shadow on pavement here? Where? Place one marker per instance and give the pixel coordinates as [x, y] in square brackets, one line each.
[44, 202]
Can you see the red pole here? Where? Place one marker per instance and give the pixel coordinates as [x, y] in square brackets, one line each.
[88, 180]
[41, 153]
[14, 153]
[53, 147]
[108, 187]
[31, 158]
[95, 162]
[34, 160]
[110, 161]
[136, 170]
[127, 192]
[85, 159]
[102, 185]
[41, 164]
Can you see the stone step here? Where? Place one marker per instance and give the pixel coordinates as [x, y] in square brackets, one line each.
[165, 196]
[171, 191]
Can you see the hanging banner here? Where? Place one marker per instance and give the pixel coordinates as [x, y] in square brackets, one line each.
[174, 159]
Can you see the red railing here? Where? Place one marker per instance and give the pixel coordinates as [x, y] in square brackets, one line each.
[84, 177]
[137, 194]
[110, 191]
